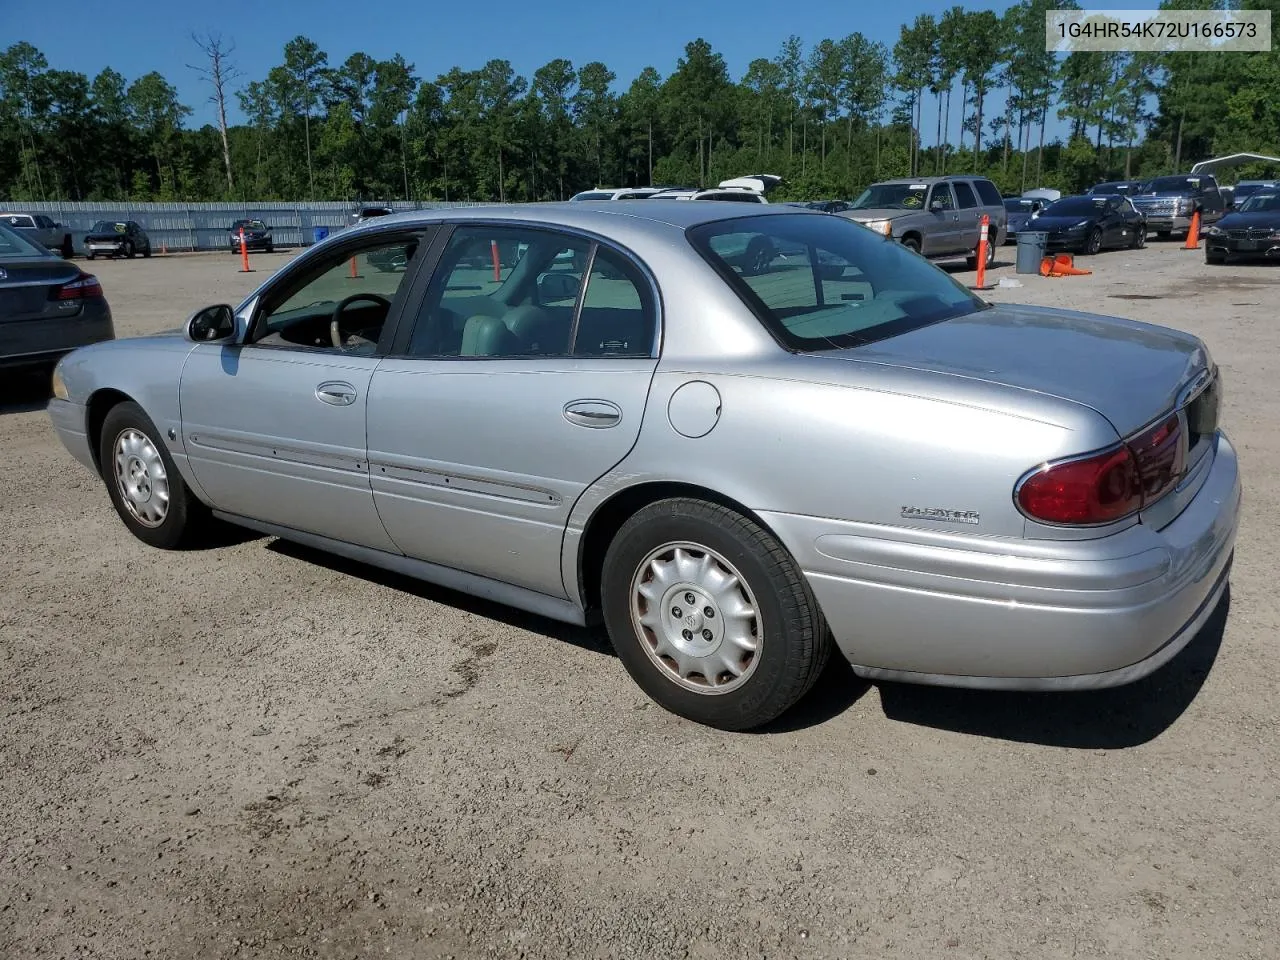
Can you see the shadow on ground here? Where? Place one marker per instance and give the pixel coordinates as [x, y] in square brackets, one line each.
[24, 392]
[587, 638]
[1098, 719]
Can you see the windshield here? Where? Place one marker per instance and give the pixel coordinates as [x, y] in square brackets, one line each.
[892, 196]
[1164, 184]
[110, 226]
[1261, 203]
[13, 245]
[249, 225]
[822, 283]
[1075, 207]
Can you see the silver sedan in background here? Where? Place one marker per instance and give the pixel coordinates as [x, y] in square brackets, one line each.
[48, 306]
[738, 462]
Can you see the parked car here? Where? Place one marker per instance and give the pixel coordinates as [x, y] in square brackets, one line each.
[1123, 187]
[1170, 202]
[369, 211]
[257, 235]
[616, 193]
[731, 194]
[654, 476]
[1253, 230]
[47, 306]
[43, 230]
[938, 217]
[116, 238]
[1018, 210]
[1090, 223]
[825, 206]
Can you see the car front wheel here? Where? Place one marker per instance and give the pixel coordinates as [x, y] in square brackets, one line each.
[710, 616]
[1093, 242]
[145, 487]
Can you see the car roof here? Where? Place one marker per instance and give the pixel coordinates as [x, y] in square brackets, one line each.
[939, 179]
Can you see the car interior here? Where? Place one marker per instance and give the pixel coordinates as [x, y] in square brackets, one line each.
[531, 311]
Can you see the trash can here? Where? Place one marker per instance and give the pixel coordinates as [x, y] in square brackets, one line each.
[1031, 246]
[321, 233]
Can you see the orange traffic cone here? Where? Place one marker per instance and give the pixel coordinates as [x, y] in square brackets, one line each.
[1063, 265]
[1193, 233]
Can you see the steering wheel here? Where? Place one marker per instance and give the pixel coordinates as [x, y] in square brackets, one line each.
[335, 329]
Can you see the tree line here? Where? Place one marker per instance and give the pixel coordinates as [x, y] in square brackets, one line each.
[968, 90]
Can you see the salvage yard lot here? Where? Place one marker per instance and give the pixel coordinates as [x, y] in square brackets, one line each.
[255, 750]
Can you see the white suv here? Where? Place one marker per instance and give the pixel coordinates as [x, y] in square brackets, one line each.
[732, 194]
[617, 193]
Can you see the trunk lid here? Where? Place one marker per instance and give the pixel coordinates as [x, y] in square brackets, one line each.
[26, 284]
[1129, 372]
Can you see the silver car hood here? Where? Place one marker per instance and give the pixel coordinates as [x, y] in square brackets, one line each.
[1129, 372]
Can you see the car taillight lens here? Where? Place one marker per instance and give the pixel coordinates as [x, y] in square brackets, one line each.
[86, 285]
[1110, 485]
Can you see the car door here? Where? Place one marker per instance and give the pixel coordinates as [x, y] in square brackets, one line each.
[273, 423]
[508, 398]
[942, 235]
[969, 215]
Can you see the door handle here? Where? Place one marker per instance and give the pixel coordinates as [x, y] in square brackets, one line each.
[593, 413]
[337, 393]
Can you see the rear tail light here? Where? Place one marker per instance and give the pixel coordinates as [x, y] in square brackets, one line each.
[1107, 486]
[86, 285]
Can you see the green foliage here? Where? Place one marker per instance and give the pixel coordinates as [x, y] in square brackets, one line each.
[830, 119]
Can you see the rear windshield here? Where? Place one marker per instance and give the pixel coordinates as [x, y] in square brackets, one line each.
[249, 225]
[13, 244]
[18, 220]
[892, 196]
[110, 226]
[1019, 205]
[823, 283]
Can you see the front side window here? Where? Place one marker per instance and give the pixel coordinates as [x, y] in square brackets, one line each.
[941, 196]
[826, 283]
[550, 298]
[339, 303]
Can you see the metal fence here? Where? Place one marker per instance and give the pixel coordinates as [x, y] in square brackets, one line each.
[205, 226]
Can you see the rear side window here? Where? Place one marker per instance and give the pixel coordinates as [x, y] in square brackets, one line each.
[964, 194]
[821, 283]
[987, 192]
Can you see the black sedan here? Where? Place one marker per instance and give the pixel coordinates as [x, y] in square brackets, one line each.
[1253, 230]
[257, 236]
[48, 306]
[117, 238]
[1089, 224]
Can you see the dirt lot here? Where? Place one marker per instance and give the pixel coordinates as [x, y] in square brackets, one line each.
[257, 751]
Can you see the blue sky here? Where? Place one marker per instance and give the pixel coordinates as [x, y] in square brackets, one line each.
[136, 36]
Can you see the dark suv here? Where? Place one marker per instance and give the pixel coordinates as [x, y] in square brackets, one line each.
[938, 217]
[1169, 202]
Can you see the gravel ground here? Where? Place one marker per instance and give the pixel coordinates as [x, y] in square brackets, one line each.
[258, 751]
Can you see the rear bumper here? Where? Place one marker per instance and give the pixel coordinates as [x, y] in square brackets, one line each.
[952, 610]
[41, 342]
[70, 421]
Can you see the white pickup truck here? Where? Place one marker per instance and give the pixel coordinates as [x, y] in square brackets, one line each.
[42, 229]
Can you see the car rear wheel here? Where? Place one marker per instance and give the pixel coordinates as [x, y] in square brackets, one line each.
[145, 487]
[710, 616]
[68, 251]
[146, 252]
[90, 255]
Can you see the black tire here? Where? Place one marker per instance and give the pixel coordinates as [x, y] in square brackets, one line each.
[68, 250]
[1139, 239]
[1213, 257]
[972, 259]
[1093, 242]
[1163, 234]
[90, 255]
[270, 248]
[146, 254]
[128, 249]
[186, 517]
[796, 643]
[911, 243]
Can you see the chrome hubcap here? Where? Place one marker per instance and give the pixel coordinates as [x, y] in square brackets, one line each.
[141, 478]
[696, 618]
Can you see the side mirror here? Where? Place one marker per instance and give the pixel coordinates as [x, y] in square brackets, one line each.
[212, 324]
[936, 205]
[554, 286]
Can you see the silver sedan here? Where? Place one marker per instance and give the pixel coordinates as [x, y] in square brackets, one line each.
[741, 438]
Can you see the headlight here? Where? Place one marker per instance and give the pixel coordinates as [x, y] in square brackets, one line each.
[1215, 231]
[59, 387]
[1183, 204]
[879, 226]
